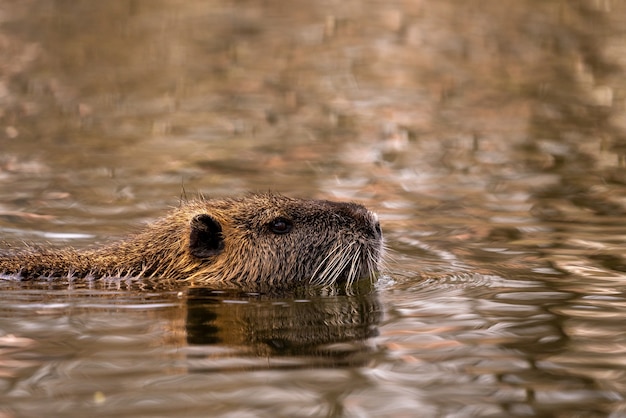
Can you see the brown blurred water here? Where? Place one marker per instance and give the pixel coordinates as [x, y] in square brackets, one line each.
[488, 135]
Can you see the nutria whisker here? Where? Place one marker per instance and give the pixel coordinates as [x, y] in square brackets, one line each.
[335, 266]
[355, 266]
[347, 262]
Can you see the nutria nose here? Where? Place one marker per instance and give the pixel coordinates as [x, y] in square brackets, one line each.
[377, 228]
[362, 216]
[378, 232]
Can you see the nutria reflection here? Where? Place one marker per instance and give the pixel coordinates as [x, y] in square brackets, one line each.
[285, 326]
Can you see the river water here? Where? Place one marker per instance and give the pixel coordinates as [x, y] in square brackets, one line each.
[489, 136]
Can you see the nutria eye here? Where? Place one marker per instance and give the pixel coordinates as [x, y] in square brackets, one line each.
[281, 226]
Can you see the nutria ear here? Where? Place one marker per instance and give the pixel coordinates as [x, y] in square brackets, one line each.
[205, 238]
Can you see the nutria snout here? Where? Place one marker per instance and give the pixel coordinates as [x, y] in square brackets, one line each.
[264, 239]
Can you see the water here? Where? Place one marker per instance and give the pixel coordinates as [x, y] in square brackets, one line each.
[489, 137]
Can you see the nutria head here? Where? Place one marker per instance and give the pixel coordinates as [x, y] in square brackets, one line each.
[269, 239]
[264, 239]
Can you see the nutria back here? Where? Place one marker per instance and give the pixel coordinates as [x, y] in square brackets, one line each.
[266, 239]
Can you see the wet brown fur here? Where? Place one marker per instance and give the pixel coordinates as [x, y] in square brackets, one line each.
[328, 242]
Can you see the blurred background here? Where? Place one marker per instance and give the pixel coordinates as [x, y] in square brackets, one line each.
[110, 111]
[489, 135]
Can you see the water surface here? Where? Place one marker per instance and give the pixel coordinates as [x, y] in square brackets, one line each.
[489, 136]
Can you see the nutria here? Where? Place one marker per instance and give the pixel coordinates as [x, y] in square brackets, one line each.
[260, 238]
